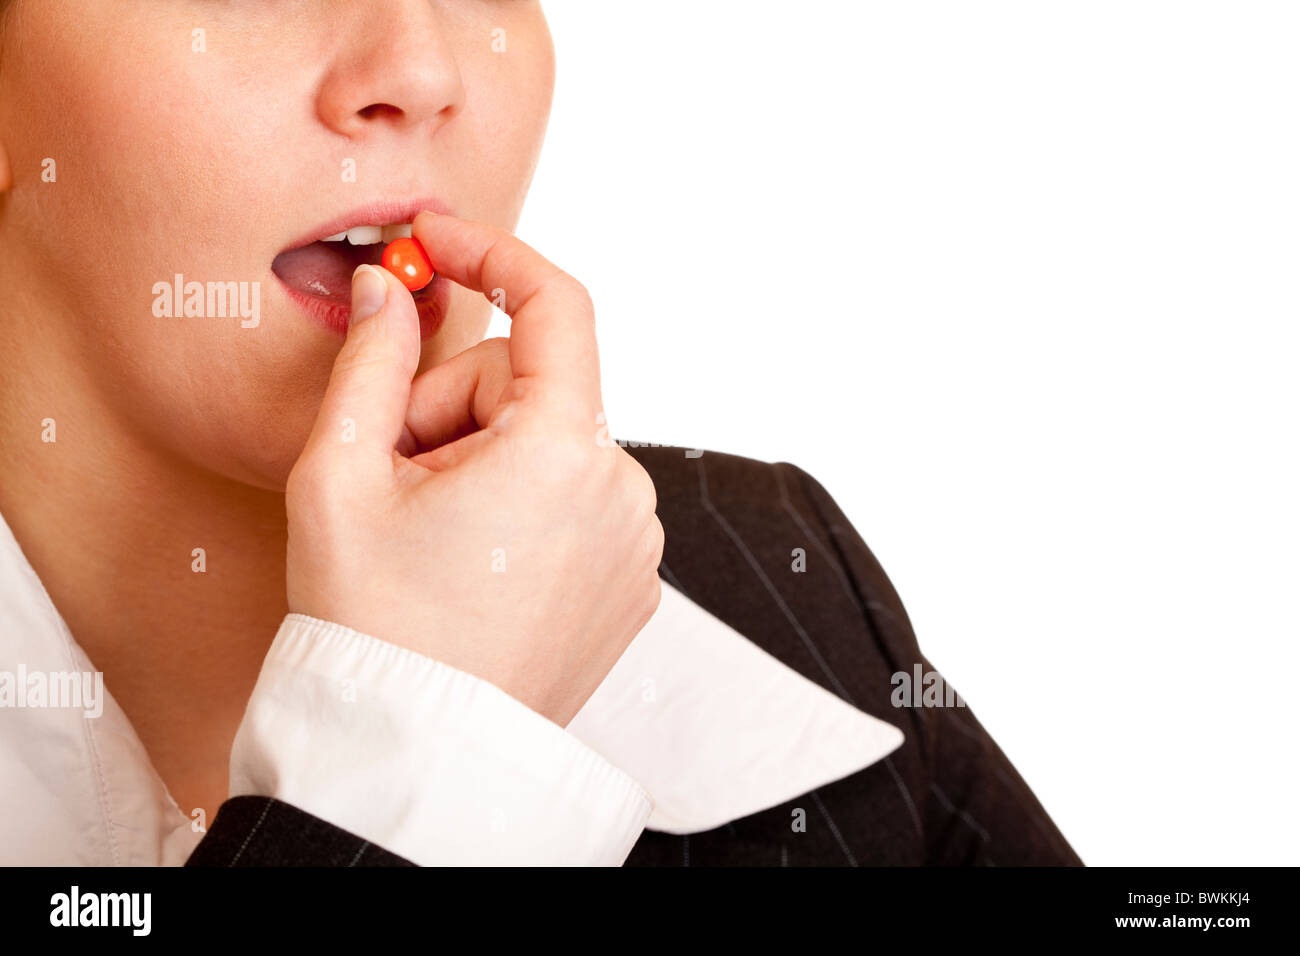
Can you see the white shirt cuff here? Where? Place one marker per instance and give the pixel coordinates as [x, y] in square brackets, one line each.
[424, 760]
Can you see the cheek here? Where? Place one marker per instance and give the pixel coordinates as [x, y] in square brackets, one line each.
[510, 94]
[153, 179]
[144, 182]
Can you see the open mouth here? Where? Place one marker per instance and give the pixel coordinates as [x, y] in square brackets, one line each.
[318, 275]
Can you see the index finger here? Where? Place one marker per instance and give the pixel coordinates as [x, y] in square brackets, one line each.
[553, 330]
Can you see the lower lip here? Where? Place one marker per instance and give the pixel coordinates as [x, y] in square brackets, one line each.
[430, 306]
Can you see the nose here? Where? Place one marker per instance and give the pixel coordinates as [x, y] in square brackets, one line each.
[394, 67]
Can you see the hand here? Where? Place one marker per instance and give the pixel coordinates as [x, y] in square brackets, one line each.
[508, 541]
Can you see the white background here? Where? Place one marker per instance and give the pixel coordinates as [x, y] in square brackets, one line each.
[1017, 282]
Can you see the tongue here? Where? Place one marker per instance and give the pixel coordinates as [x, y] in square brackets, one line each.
[324, 269]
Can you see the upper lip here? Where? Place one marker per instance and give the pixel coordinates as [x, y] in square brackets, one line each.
[382, 212]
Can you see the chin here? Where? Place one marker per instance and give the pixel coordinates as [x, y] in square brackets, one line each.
[269, 476]
[255, 453]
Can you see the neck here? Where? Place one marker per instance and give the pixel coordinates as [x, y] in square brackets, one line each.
[170, 578]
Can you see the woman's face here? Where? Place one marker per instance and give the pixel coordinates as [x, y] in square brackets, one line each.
[208, 138]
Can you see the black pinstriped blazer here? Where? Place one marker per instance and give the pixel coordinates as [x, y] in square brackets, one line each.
[947, 796]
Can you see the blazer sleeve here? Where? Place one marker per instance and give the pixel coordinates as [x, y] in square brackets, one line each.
[966, 796]
[264, 831]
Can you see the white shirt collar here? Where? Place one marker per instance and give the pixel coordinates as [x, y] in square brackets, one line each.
[715, 728]
[78, 791]
[712, 726]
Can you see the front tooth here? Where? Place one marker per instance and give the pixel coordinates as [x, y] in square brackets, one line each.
[401, 230]
[337, 237]
[365, 235]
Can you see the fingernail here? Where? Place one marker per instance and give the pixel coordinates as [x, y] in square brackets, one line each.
[369, 290]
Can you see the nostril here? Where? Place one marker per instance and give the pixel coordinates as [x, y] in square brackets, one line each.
[378, 111]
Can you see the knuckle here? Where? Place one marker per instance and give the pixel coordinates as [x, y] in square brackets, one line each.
[503, 252]
[653, 595]
[527, 393]
[581, 294]
[557, 455]
[655, 542]
[491, 360]
[497, 347]
[642, 494]
[560, 452]
[572, 456]
[566, 287]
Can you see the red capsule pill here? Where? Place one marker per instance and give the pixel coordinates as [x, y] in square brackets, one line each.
[406, 259]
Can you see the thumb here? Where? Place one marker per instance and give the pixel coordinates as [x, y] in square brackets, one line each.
[364, 408]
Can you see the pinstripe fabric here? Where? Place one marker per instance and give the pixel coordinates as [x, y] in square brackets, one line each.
[948, 796]
[261, 831]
